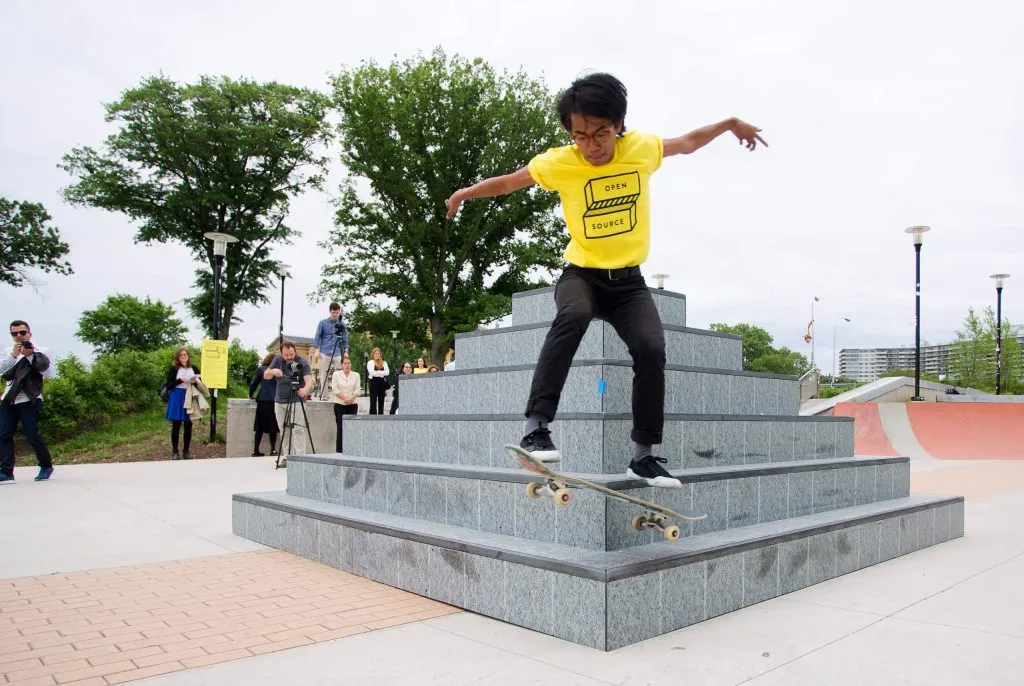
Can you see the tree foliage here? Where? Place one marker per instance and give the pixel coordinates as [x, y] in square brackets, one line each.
[972, 356]
[218, 155]
[759, 355]
[124, 322]
[411, 134]
[27, 242]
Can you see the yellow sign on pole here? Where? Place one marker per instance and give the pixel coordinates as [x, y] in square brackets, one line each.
[214, 363]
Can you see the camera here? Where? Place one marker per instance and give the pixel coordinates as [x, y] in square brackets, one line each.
[26, 345]
[339, 328]
[294, 367]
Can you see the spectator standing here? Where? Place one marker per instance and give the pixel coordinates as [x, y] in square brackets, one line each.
[345, 387]
[265, 390]
[377, 371]
[331, 337]
[406, 369]
[181, 374]
[23, 369]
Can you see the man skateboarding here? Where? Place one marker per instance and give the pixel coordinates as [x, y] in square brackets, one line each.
[602, 180]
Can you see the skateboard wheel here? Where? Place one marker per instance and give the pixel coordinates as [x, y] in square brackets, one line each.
[562, 496]
[639, 523]
[672, 533]
[533, 490]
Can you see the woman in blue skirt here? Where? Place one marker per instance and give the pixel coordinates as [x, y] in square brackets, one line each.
[181, 374]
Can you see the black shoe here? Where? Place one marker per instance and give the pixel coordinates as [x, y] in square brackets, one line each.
[44, 474]
[186, 456]
[649, 469]
[257, 454]
[175, 455]
[538, 443]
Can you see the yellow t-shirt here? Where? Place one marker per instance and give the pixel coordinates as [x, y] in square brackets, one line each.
[606, 207]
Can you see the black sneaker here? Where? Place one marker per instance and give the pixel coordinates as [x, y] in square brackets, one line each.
[44, 474]
[649, 469]
[538, 443]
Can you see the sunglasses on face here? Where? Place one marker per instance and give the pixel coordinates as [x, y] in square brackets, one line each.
[23, 332]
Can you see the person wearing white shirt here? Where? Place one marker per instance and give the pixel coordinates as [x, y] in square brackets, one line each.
[23, 368]
[377, 372]
[345, 387]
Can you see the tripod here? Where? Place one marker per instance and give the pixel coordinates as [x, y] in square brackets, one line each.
[330, 366]
[289, 425]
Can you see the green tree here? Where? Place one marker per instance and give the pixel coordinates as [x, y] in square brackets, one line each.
[26, 242]
[972, 356]
[124, 322]
[217, 155]
[412, 133]
[758, 353]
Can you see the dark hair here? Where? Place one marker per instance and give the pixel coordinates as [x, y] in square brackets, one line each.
[287, 344]
[334, 306]
[407, 362]
[20, 322]
[267, 360]
[595, 95]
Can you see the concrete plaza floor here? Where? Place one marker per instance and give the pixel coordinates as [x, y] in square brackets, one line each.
[952, 614]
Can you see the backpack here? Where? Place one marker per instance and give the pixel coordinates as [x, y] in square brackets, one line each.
[165, 392]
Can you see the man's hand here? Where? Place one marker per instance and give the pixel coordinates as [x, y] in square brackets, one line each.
[277, 372]
[314, 355]
[747, 134]
[17, 350]
[452, 203]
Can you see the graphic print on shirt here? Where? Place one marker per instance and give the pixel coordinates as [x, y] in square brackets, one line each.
[611, 205]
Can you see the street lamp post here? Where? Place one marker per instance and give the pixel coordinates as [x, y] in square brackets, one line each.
[394, 355]
[220, 248]
[282, 271]
[834, 327]
[917, 232]
[1000, 278]
[660, 278]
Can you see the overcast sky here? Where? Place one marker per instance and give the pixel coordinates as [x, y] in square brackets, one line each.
[879, 115]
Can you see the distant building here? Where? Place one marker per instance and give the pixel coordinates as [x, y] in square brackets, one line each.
[303, 344]
[868, 364]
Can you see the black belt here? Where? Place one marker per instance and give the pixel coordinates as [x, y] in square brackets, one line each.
[612, 274]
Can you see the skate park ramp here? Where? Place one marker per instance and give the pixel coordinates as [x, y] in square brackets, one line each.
[941, 431]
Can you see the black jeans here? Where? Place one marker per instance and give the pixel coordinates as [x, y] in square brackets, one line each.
[28, 414]
[626, 304]
[378, 387]
[339, 412]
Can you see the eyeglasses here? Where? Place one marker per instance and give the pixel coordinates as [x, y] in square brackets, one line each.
[23, 332]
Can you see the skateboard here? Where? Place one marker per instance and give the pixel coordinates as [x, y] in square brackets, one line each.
[557, 486]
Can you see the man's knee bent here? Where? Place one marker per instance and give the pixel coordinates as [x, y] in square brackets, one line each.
[650, 350]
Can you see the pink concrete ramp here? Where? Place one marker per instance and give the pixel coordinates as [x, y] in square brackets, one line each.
[869, 436]
[964, 431]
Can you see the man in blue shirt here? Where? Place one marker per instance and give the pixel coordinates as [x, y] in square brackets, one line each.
[329, 332]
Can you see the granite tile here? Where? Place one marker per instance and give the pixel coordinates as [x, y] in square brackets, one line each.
[463, 503]
[381, 559]
[711, 497]
[430, 498]
[788, 396]
[848, 550]
[486, 586]
[742, 502]
[869, 542]
[743, 391]
[619, 531]
[687, 390]
[844, 439]
[678, 499]
[535, 519]
[730, 354]
[254, 525]
[760, 574]
[578, 610]
[411, 561]
[926, 528]
[307, 539]
[781, 441]
[766, 398]
[885, 475]
[633, 610]
[353, 487]
[473, 443]
[329, 537]
[446, 570]
[353, 557]
[941, 524]
[756, 440]
[699, 439]
[889, 539]
[580, 391]
[503, 433]
[682, 596]
[824, 440]
[444, 437]
[287, 532]
[773, 497]
[804, 440]
[717, 395]
[901, 480]
[238, 517]
[671, 445]
[846, 487]
[334, 484]
[956, 520]
[581, 524]
[793, 565]
[313, 481]
[728, 443]
[824, 490]
[375, 490]
[580, 443]
[530, 594]
[800, 493]
[724, 584]
[401, 494]
[908, 533]
[681, 349]
[618, 446]
[497, 506]
[866, 484]
[822, 557]
[671, 310]
[295, 484]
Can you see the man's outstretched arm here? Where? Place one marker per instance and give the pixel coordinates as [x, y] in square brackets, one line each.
[698, 138]
[488, 188]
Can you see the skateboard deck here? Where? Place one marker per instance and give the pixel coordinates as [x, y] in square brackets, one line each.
[557, 486]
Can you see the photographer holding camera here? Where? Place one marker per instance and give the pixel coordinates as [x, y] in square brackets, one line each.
[330, 344]
[294, 382]
[23, 369]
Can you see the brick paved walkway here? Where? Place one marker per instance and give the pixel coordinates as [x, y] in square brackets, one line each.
[114, 625]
